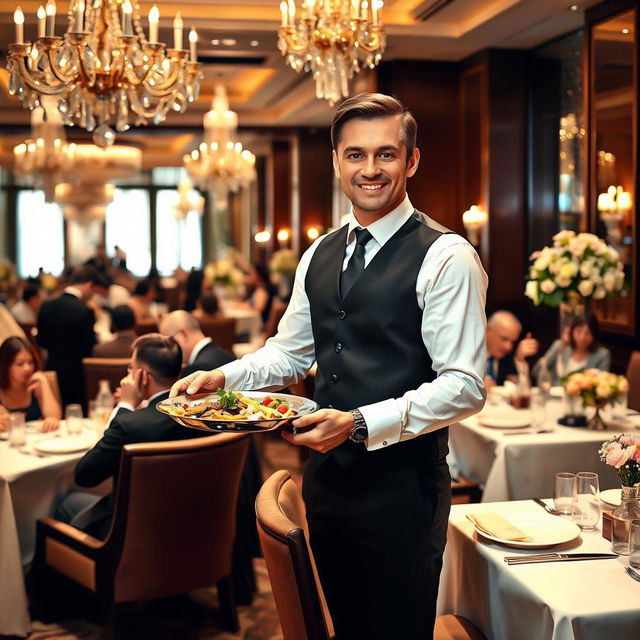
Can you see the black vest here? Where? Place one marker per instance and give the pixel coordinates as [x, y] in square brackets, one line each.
[369, 346]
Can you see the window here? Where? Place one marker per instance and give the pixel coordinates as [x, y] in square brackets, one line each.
[128, 226]
[40, 231]
[178, 242]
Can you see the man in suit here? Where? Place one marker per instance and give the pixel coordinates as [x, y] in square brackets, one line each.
[391, 306]
[200, 353]
[505, 360]
[155, 366]
[123, 326]
[65, 329]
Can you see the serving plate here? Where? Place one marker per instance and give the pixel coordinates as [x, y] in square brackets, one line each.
[505, 420]
[64, 444]
[546, 531]
[299, 404]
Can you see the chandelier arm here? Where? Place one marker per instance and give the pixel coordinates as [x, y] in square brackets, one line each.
[32, 83]
[59, 75]
[165, 88]
[136, 105]
[373, 44]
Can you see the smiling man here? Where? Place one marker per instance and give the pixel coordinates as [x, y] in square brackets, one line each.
[392, 308]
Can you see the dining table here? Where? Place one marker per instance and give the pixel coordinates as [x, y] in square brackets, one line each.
[31, 482]
[566, 600]
[515, 454]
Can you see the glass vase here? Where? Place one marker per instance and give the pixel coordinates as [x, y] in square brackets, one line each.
[574, 306]
[596, 423]
[622, 516]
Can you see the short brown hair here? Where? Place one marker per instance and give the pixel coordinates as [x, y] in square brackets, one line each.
[368, 106]
[161, 354]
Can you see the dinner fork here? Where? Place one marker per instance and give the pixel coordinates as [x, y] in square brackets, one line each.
[546, 507]
[634, 574]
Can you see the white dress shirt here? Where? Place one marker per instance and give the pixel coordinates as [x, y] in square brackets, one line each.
[198, 348]
[450, 289]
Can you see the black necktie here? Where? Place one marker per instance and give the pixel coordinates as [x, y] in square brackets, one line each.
[355, 267]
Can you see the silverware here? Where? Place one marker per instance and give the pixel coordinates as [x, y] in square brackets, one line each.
[558, 557]
[31, 452]
[634, 574]
[546, 507]
[527, 432]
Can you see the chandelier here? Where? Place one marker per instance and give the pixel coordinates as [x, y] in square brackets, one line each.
[334, 39]
[188, 200]
[104, 67]
[220, 163]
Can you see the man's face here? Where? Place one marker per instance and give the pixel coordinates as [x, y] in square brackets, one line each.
[501, 338]
[371, 164]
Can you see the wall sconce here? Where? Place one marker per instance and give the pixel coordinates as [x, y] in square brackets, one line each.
[262, 236]
[474, 220]
[613, 206]
[313, 233]
[283, 236]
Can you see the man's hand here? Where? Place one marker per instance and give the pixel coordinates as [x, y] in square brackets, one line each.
[131, 388]
[199, 382]
[528, 347]
[330, 429]
[49, 424]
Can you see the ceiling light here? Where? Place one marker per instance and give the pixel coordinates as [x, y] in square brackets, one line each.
[215, 42]
[625, 31]
[229, 42]
[254, 43]
[573, 7]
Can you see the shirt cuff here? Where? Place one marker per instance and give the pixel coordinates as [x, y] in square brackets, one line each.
[384, 424]
[234, 374]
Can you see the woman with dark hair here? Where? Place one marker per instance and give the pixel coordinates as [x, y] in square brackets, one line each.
[261, 291]
[581, 350]
[23, 387]
[194, 288]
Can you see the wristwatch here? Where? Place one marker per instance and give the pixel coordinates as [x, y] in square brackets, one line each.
[359, 431]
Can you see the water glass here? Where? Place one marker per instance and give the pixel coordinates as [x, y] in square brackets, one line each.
[563, 492]
[17, 429]
[538, 409]
[73, 418]
[586, 500]
[634, 544]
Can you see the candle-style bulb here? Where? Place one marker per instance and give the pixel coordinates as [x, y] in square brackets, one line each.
[154, 17]
[177, 31]
[193, 35]
[193, 38]
[51, 8]
[41, 13]
[18, 16]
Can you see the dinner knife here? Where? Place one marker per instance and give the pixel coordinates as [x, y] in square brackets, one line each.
[558, 557]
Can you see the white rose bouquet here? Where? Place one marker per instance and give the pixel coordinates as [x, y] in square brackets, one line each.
[576, 264]
[223, 273]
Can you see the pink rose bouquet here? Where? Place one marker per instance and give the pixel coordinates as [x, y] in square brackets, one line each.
[622, 453]
[595, 387]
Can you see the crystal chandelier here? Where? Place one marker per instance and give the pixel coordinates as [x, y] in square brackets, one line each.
[334, 39]
[188, 200]
[220, 163]
[104, 67]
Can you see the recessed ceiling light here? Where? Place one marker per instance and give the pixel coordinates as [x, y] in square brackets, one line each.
[625, 31]
[573, 7]
[229, 42]
[215, 42]
[254, 43]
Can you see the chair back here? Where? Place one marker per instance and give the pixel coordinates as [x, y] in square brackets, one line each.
[96, 369]
[278, 307]
[633, 376]
[297, 592]
[52, 379]
[148, 326]
[175, 515]
[221, 330]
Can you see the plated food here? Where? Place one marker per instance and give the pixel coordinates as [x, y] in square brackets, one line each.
[227, 410]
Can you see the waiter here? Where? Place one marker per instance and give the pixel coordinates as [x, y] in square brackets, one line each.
[392, 308]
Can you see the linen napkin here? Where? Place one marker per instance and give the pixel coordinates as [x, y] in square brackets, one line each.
[496, 526]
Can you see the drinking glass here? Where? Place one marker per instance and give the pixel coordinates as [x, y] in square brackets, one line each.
[586, 500]
[17, 429]
[634, 544]
[563, 492]
[538, 409]
[73, 418]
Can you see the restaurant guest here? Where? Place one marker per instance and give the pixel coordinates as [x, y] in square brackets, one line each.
[23, 387]
[25, 311]
[123, 325]
[260, 290]
[140, 302]
[207, 308]
[391, 306]
[581, 350]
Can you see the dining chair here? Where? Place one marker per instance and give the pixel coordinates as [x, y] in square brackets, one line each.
[172, 532]
[633, 376]
[465, 491]
[297, 592]
[96, 369]
[148, 326]
[221, 330]
[52, 379]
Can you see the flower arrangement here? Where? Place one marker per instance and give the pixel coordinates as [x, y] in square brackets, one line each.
[622, 452]
[284, 262]
[595, 387]
[223, 273]
[8, 278]
[48, 282]
[575, 265]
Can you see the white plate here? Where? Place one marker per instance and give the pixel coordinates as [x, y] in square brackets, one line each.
[509, 421]
[612, 497]
[557, 392]
[545, 530]
[67, 444]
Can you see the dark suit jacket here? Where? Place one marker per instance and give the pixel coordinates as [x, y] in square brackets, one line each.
[103, 461]
[65, 329]
[210, 357]
[118, 348]
[505, 367]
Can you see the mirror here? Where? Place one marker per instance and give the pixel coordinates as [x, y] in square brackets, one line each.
[612, 155]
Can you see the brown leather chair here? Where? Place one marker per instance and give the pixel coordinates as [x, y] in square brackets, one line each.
[52, 379]
[464, 491]
[148, 326]
[221, 330]
[296, 590]
[96, 369]
[173, 527]
[633, 376]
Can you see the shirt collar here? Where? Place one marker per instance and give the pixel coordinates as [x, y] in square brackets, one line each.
[155, 395]
[74, 292]
[383, 229]
[198, 348]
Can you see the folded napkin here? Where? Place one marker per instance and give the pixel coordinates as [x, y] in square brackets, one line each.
[498, 527]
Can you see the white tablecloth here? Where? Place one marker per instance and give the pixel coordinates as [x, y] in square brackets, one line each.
[591, 600]
[29, 489]
[516, 466]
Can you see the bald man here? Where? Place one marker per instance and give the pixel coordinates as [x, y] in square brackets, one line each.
[503, 331]
[198, 351]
